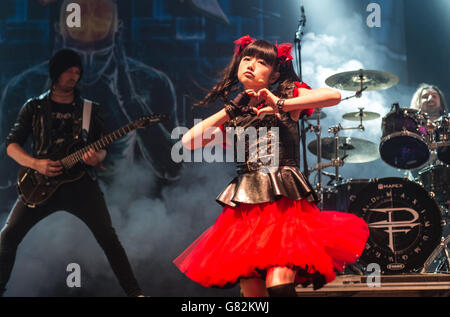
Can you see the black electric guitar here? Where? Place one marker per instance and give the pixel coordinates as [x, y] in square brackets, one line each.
[35, 189]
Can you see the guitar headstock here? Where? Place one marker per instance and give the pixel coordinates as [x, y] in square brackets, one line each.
[145, 121]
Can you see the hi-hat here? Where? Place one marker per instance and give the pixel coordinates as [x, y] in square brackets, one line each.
[364, 115]
[356, 150]
[372, 79]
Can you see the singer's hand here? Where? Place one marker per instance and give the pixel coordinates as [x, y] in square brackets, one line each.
[271, 102]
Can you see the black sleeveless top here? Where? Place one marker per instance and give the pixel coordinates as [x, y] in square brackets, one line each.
[267, 156]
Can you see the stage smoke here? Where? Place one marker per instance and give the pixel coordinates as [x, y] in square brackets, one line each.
[153, 232]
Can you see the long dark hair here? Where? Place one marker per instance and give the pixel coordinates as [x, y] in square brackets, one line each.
[415, 101]
[259, 49]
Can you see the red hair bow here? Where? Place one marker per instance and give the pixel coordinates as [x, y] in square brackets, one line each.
[241, 44]
[284, 52]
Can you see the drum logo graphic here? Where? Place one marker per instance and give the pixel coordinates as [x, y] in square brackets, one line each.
[384, 186]
[404, 223]
[390, 226]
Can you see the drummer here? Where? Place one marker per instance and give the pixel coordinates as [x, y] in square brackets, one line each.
[429, 99]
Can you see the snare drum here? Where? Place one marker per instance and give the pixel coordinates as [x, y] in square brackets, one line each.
[403, 143]
[443, 135]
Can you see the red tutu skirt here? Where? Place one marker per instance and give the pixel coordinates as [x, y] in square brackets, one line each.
[248, 240]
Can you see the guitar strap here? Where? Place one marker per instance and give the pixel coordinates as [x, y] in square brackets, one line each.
[87, 110]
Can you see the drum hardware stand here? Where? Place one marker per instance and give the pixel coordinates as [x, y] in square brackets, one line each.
[431, 130]
[332, 176]
[443, 246]
[361, 115]
[436, 145]
[335, 130]
[338, 161]
[335, 162]
[317, 129]
[358, 93]
[395, 106]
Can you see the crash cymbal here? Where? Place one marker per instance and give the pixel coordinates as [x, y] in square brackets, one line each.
[356, 116]
[372, 79]
[357, 150]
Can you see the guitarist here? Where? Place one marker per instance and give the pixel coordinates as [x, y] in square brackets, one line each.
[54, 119]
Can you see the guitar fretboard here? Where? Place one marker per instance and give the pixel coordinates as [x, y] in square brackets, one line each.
[72, 159]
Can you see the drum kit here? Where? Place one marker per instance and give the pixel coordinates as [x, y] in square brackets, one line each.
[405, 216]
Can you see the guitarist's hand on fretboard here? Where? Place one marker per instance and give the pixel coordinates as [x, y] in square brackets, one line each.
[48, 167]
[35, 190]
[93, 158]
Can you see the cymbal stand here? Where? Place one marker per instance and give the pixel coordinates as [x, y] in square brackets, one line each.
[361, 115]
[440, 255]
[335, 130]
[338, 161]
[358, 93]
[317, 129]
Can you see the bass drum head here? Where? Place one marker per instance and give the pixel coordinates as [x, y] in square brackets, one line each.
[404, 150]
[342, 194]
[404, 224]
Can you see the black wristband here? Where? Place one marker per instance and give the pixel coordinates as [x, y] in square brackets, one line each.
[241, 100]
[280, 104]
[231, 111]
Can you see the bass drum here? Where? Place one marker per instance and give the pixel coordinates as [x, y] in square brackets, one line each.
[404, 224]
[342, 194]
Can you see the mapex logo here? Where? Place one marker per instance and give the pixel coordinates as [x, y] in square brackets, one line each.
[389, 186]
[396, 266]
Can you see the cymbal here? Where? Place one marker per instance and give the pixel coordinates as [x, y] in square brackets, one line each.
[357, 150]
[372, 79]
[366, 116]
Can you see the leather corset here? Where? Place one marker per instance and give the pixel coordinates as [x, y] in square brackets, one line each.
[268, 166]
[265, 143]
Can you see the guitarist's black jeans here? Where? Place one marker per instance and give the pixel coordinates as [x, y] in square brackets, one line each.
[83, 199]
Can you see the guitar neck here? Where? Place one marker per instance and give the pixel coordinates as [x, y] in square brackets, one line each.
[72, 159]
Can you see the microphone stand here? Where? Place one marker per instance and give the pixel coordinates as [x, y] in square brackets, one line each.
[298, 48]
[317, 129]
[298, 39]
